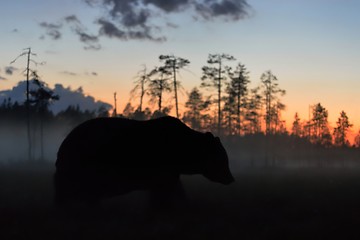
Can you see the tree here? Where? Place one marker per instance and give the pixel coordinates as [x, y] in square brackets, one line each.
[164, 112]
[273, 106]
[158, 85]
[142, 115]
[41, 98]
[128, 111]
[237, 90]
[357, 140]
[196, 105]
[213, 77]
[296, 126]
[340, 131]
[321, 133]
[229, 110]
[253, 114]
[27, 52]
[173, 64]
[139, 89]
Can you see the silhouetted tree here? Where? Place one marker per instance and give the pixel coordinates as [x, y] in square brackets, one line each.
[296, 129]
[158, 85]
[273, 106]
[142, 115]
[140, 86]
[357, 140]
[321, 134]
[237, 90]
[229, 112]
[253, 108]
[214, 77]
[27, 52]
[12, 111]
[196, 105]
[73, 115]
[340, 131]
[128, 111]
[279, 124]
[173, 64]
[164, 112]
[41, 98]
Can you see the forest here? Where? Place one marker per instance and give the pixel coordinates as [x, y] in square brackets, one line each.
[223, 103]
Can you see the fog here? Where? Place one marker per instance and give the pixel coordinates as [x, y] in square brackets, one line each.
[252, 152]
[14, 142]
[281, 191]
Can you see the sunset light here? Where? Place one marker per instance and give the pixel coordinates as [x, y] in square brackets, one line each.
[179, 119]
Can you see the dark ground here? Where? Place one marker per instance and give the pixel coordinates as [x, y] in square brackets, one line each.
[261, 204]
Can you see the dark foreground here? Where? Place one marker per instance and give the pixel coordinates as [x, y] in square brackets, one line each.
[261, 204]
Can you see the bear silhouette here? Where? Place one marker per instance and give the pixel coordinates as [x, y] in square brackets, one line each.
[107, 157]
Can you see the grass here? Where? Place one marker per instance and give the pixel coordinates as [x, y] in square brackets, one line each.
[261, 204]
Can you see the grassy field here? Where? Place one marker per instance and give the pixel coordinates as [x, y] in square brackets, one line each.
[261, 204]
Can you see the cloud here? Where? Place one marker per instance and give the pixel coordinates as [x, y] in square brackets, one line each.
[169, 6]
[108, 29]
[10, 70]
[68, 73]
[230, 9]
[94, 74]
[139, 19]
[77, 97]
[68, 97]
[90, 41]
[52, 30]
[132, 19]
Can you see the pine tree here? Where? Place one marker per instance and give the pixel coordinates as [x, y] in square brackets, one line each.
[195, 106]
[172, 65]
[214, 77]
[340, 131]
[237, 92]
[296, 127]
[273, 106]
[321, 133]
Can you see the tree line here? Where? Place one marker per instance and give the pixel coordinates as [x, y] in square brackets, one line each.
[224, 103]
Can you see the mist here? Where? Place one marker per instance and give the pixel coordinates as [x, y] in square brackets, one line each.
[278, 189]
[14, 142]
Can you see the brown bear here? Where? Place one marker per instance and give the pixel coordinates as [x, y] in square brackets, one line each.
[106, 157]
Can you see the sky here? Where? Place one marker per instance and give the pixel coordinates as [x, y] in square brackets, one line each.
[311, 46]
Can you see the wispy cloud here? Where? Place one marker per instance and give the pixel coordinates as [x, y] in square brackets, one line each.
[52, 30]
[94, 74]
[137, 19]
[132, 19]
[91, 41]
[110, 30]
[10, 70]
[69, 73]
[228, 9]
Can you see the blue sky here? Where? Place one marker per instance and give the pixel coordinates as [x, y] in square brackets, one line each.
[312, 46]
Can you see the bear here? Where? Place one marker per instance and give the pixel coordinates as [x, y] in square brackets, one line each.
[107, 157]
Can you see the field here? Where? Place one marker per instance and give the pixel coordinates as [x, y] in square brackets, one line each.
[261, 204]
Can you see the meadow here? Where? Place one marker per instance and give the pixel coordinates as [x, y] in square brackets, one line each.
[263, 203]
